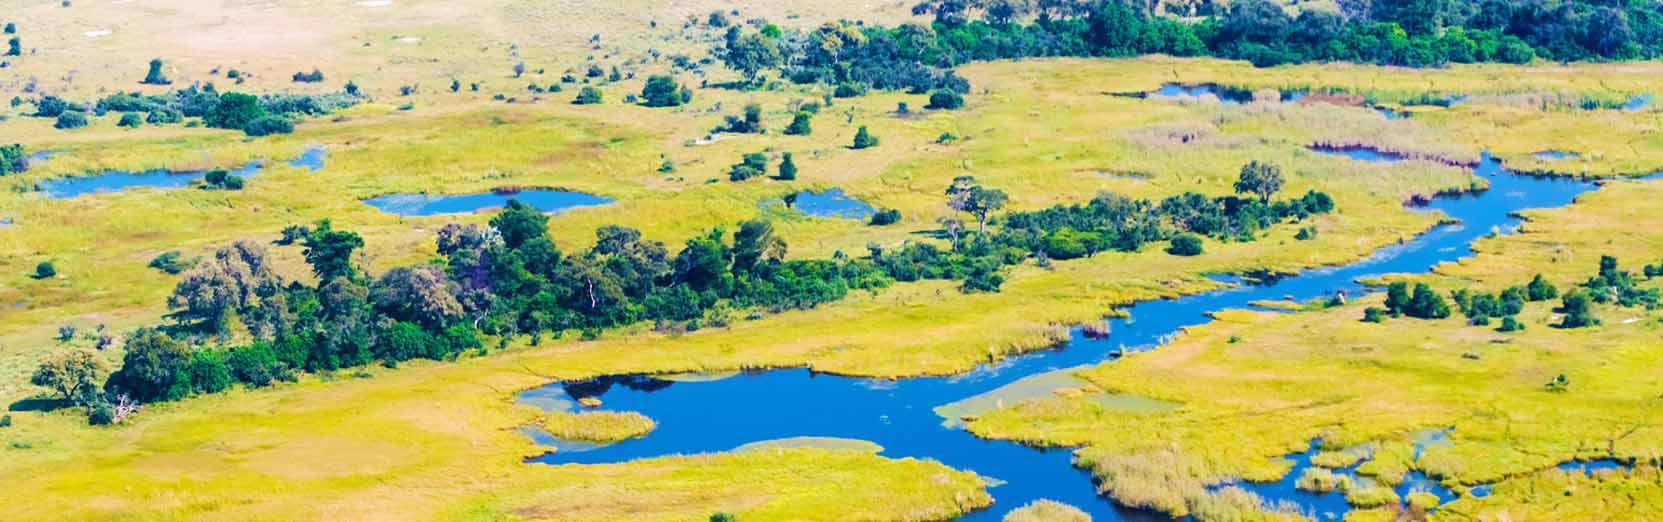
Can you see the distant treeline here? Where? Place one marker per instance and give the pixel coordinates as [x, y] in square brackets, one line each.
[255, 115]
[1415, 33]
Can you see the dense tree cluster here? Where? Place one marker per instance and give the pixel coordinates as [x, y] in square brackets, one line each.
[254, 115]
[1417, 33]
[12, 159]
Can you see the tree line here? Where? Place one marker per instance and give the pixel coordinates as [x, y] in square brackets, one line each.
[509, 279]
[1415, 33]
[254, 115]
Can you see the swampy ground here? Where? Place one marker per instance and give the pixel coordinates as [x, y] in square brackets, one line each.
[440, 441]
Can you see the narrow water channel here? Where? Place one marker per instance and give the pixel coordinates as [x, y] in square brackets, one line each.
[710, 415]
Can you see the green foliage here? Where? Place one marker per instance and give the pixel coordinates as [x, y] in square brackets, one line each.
[752, 165]
[801, 124]
[1540, 289]
[1185, 245]
[221, 179]
[14, 47]
[45, 270]
[1259, 179]
[208, 372]
[268, 125]
[945, 100]
[864, 139]
[155, 368]
[888, 216]
[1305, 234]
[749, 123]
[329, 251]
[70, 120]
[1374, 314]
[12, 159]
[750, 53]
[75, 375]
[1578, 311]
[315, 76]
[1425, 304]
[130, 120]
[1510, 324]
[234, 110]
[662, 91]
[1611, 285]
[788, 168]
[155, 75]
[587, 96]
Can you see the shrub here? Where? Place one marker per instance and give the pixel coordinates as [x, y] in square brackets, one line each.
[945, 100]
[1185, 245]
[1578, 311]
[71, 120]
[317, 76]
[864, 139]
[268, 125]
[1509, 324]
[888, 216]
[45, 270]
[163, 116]
[849, 90]
[155, 75]
[1306, 234]
[788, 168]
[1540, 290]
[1426, 304]
[800, 124]
[130, 120]
[752, 165]
[587, 96]
[661, 91]
[1374, 314]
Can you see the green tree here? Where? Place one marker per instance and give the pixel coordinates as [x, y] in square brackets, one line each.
[788, 168]
[1260, 179]
[234, 110]
[74, 375]
[45, 270]
[755, 243]
[1185, 245]
[1578, 311]
[1426, 304]
[800, 124]
[208, 372]
[329, 251]
[588, 96]
[130, 120]
[752, 53]
[1397, 297]
[154, 368]
[14, 47]
[1540, 289]
[864, 139]
[70, 120]
[155, 75]
[945, 99]
[752, 165]
[519, 224]
[661, 91]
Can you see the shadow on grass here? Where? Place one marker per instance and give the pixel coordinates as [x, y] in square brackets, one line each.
[38, 404]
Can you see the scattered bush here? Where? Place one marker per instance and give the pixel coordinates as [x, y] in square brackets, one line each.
[864, 139]
[752, 165]
[172, 262]
[71, 120]
[155, 75]
[45, 270]
[800, 124]
[130, 120]
[788, 168]
[662, 91]
[942, 99]
[268, 125]
[316, 76]
[1185, 245]
[888, 216]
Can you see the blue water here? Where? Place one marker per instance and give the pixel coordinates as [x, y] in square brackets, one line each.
[1556, 155]
[1332, 505]
[1589, 467]
[830, 203]
[1196, 92]
[1639, 101]
[1362, 154]
[1391, 114]
[719, 415]
[310, 159]
[118, 180]
[429, 205]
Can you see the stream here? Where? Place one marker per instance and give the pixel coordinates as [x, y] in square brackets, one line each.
[722, 412]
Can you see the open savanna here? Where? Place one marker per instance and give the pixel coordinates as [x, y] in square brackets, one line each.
[1257, 385]
[438, 440]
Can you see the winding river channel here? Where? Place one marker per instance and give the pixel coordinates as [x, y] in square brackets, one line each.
[722, 413]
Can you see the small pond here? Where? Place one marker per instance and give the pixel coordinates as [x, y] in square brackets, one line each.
[1638, 102]
[1556, 155]
[1362, 154]
[118, 180]
[432, 205]
[831, 203]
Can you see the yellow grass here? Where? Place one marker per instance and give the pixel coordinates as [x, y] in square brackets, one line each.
[597, 426]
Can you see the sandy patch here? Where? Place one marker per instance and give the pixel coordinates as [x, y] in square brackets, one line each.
[96, 34]
[373, 3]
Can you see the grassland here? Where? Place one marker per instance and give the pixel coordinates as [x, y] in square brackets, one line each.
[438, 441]
[597, 426]
[1258, 385]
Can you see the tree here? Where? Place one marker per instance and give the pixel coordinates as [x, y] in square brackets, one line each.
[74, 375]
[70, 120]
[953, 227]
[234, 280]
[268, 125]
[1578, 311]
[661, 91]
[155, 75]
[519, 224]
[788, 169]
[1259, 179]
[1540, 289]
[329, 251]
[130, 120]
[1185, 245]
[588, 96]
[751, 165]
[864, 139]
[14, 47]
[419, 294]
[1374, 314]
[208, 372]
[45, 270]
[800, 124]
[1397, 297]
[154, 368]
[755, 243]
[11, 28]
[947, 12]
[751, 53]
[234, 110]
[455, 85]
[1426, 304]
[945, 99]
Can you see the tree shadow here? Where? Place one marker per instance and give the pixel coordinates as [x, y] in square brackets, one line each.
[42, 404]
